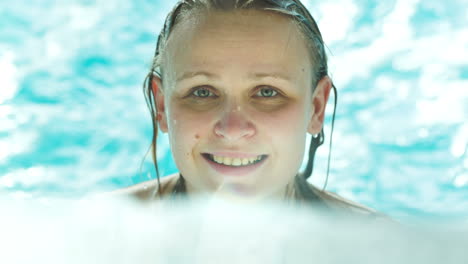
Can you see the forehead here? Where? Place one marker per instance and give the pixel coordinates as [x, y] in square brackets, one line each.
[247, 39]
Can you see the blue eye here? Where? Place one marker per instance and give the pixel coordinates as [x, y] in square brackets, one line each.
[266, 92]
[203, 92]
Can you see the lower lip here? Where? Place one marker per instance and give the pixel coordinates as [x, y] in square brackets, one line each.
[234, 171]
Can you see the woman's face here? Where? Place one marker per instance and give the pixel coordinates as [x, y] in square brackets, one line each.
[236, 99]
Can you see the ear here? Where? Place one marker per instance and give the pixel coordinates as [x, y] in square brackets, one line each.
[156, 85]
[319, 102]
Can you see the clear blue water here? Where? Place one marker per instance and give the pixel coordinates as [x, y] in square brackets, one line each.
[73, 117]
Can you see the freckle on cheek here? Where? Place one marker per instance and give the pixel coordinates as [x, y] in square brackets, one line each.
[197, 136]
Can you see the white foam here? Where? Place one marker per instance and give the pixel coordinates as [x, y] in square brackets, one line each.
[102, 230]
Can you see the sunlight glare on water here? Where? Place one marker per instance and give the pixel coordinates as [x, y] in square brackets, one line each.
[8, 78]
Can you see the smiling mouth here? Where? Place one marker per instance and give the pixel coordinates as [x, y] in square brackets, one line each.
[234, 162]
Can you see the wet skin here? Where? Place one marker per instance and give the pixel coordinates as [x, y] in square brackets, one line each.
[239, 85]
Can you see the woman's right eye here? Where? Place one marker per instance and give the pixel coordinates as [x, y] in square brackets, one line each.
[202, 92]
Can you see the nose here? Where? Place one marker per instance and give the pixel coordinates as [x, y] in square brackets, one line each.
[234, 124]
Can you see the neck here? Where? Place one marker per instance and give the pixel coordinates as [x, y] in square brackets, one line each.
[287, 193]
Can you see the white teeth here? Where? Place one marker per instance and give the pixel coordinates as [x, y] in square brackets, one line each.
[227, 160]
[218, 159]
[235, 161]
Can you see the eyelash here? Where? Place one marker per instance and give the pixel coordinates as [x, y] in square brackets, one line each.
[212, 94]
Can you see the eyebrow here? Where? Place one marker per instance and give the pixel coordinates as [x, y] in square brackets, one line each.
[275, 75]
[252, 76]
[190, 74]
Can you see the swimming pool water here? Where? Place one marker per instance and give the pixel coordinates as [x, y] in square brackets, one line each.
[73, 116]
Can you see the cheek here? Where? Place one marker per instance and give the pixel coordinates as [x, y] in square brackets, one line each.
[190, 121]
[286, 122]
[287, 130]
[187, 127]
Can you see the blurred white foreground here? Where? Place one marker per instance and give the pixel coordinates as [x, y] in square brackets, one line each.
[122, 231]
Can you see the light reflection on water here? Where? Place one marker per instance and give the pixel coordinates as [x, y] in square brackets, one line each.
[73, 117]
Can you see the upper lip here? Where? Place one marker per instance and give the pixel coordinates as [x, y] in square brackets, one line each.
[231, 154]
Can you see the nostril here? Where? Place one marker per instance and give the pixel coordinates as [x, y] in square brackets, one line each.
[234, 123]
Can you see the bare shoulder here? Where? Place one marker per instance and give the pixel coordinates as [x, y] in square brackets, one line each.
[146, 190]
[336, 201]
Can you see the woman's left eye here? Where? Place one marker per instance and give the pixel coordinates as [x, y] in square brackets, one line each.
[267, 92]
